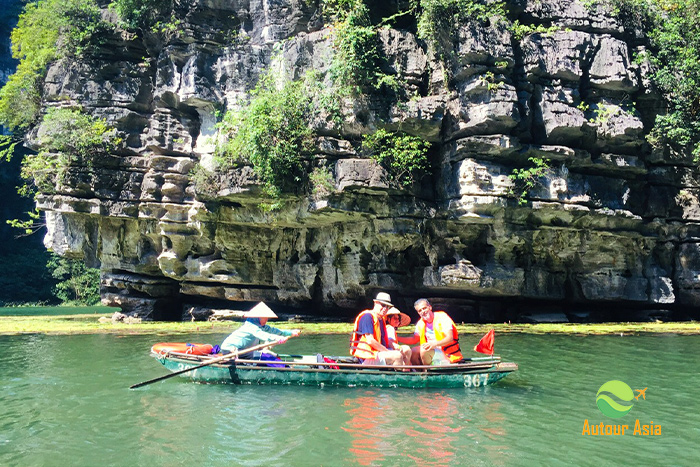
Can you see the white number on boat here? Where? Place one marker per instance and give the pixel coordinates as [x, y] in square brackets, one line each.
[476, 380]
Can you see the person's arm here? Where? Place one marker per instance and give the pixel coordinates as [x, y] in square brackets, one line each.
[414, 339]
[430, 345]
[366, 329]
[391, 337]
[447, 340]
[266, 334]
[281, 332]
[375, 344]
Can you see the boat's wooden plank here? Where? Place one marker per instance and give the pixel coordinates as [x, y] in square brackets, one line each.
[303, 360]
[366, 370]
[354, 367]
[436, 368]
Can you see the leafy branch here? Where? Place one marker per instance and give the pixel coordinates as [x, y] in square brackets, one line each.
[527, 178]
[403, 155]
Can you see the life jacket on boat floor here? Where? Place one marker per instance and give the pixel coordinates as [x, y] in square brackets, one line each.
[183, 347]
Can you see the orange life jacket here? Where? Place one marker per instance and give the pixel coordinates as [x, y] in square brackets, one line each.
[442, 325]
[359, 347]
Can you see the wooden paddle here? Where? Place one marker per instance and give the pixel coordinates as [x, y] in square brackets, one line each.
[214, 360]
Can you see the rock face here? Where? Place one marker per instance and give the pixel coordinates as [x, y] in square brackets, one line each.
[610, 224]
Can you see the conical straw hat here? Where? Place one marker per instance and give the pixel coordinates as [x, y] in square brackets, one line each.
[260, 311]
[404, 318]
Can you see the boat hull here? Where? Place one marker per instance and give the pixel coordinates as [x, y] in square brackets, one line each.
[475, 374]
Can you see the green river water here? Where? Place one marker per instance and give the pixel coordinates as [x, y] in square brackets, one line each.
[64, 401]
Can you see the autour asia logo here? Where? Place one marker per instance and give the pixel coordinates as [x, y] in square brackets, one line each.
[615, 399]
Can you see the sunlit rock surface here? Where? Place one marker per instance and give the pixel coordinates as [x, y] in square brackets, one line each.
[610, 225]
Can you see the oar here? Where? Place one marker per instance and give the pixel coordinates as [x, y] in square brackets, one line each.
[215, 360]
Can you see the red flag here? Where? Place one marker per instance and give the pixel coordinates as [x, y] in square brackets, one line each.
[485, 345]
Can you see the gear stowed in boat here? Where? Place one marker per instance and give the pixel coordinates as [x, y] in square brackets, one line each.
[317, 370]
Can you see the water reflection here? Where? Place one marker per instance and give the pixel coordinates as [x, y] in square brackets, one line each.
[424, 428]
[434, 430]
[494, 428]
[370, 425]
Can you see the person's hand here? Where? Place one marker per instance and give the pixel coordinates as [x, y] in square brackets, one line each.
[282, 340]
[428, 346]
[295, 332]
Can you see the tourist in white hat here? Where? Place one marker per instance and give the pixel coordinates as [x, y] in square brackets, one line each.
[369, 342]
[256, 331]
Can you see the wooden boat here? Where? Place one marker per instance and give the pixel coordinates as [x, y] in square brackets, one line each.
[316, 370]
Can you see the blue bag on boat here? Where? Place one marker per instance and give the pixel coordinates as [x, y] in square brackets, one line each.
[273, 358]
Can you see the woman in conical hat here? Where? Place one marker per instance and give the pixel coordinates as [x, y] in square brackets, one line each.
[255, 331]
[394, 320]
[403, 318]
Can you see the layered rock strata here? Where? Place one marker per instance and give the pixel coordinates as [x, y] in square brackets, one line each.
[611, 223]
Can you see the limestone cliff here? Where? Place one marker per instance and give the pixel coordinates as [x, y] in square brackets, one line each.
[611, 224]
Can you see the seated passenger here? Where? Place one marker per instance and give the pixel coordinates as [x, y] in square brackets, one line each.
[394, 320]
[369, 336]
[255, 331]
[437, 335]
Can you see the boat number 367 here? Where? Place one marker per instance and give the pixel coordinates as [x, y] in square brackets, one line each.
[476, 380]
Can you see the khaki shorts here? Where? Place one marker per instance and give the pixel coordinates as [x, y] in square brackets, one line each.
[375, 361]
[382, 357]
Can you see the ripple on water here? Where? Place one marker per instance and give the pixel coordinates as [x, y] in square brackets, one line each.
[65, 399]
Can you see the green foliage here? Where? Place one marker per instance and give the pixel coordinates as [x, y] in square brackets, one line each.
[34, 44]
[7, 147]
[66, 136]
[82, 27]
[30, 225]
[273, 134]
[25, 278]
[438, 19]
[602, 114]
[205, 181]
[673, 27]
[77, 284]
[521, 30]
[47, 30]
[527, 178]
[77, 134]
[322, 182]
[356, 60]
[492, 84]
[404, 156]
[677, 74]
[145, 14]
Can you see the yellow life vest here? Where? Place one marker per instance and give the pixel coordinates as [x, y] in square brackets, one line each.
[359, 347]
[442, 325]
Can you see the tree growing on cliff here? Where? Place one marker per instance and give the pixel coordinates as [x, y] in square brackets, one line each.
[404, 156]
[273, 133]
[156, 16]
[355, 67]
[46, 30]
[673, 29]
[66, 136]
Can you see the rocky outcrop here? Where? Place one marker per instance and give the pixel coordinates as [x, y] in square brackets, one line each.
[610, 224]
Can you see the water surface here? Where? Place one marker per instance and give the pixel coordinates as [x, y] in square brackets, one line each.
[64, 401]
